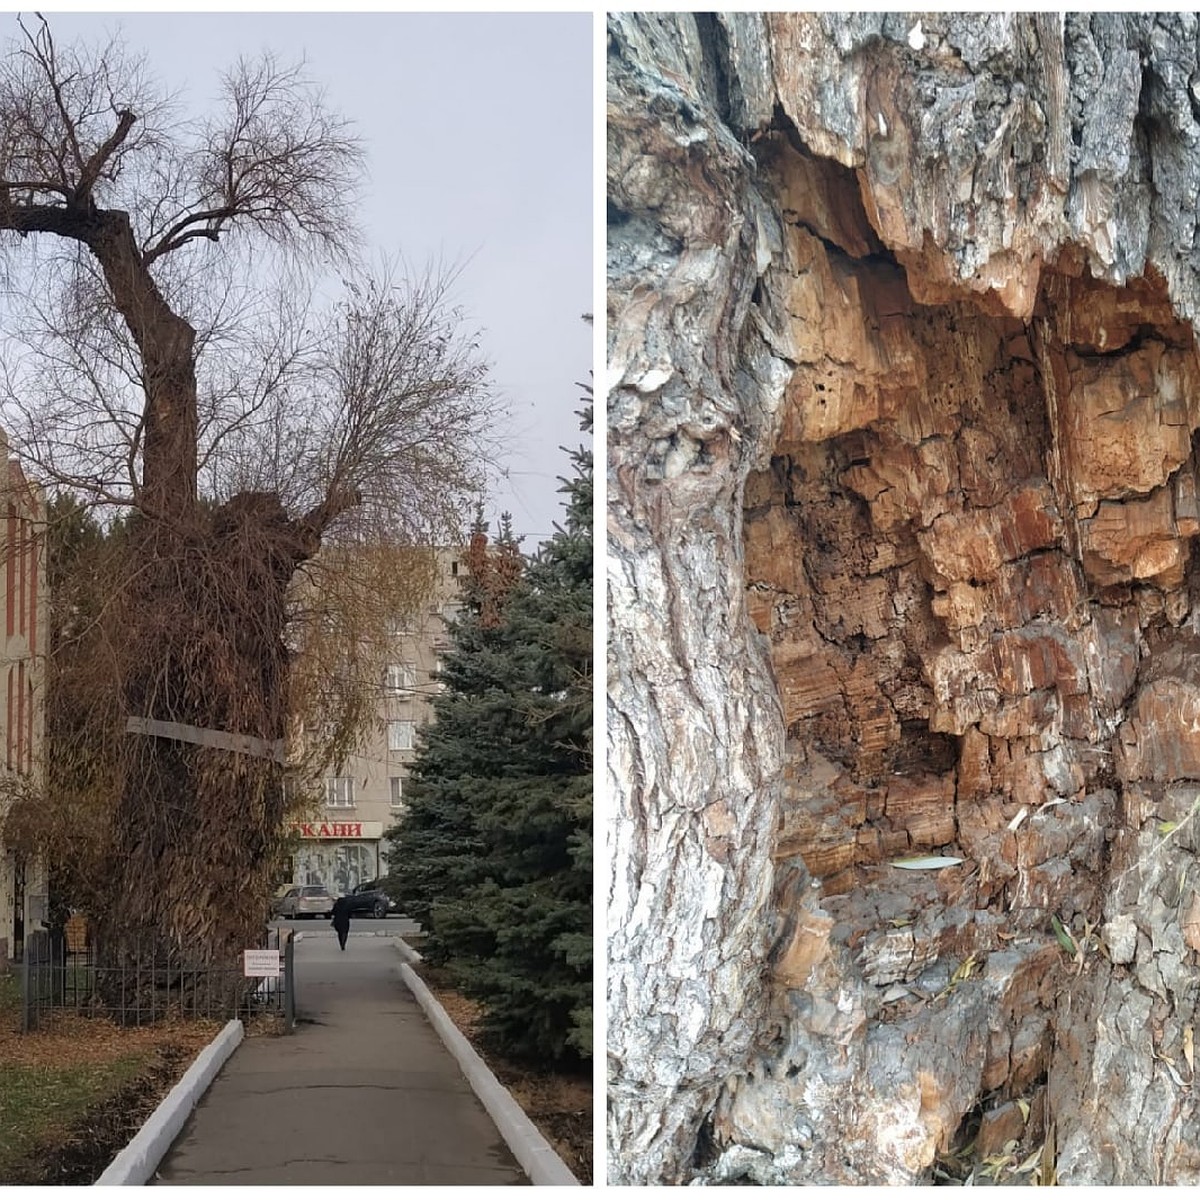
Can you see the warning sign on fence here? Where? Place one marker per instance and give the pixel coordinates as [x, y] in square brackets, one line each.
[260, 964]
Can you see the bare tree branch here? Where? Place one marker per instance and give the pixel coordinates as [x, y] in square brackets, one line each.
[91, 169]
[62, 129]
[275, 160]
[40, 48]
[82, 158]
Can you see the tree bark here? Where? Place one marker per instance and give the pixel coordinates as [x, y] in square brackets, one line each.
[902, 495]
[167, 345]
[203, 615]
[694, 728]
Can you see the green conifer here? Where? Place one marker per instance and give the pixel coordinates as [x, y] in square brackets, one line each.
[494, 852]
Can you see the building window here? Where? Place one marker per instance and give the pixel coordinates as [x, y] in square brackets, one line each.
[454, 566]
[22, 691]
[36, 556]
[397, 786]
[10, 567]
[398, 626]
[339, 792]
[400, 678]
[400, 735]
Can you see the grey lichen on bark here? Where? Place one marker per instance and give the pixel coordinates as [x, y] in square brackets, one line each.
[1017, 193]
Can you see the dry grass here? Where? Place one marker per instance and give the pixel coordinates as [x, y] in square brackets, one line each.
[74, 1092]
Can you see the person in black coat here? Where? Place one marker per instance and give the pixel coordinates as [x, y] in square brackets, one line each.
[341, 919]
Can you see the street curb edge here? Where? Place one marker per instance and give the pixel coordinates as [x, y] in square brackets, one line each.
[536, 1156]
[134, 1165]
[406, 952]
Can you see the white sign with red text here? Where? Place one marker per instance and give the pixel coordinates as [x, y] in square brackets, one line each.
[351, 830]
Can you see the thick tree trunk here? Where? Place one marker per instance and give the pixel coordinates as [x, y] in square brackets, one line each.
[904, 395]
[197, 627]
[199, 828]
[168, 490]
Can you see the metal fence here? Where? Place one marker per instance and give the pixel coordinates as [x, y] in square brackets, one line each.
[58, 974]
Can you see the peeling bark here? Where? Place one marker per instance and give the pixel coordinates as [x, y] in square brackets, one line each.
[903, 487]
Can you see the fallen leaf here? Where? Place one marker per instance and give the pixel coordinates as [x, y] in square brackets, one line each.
[1048, 1175]
[1176, 1078]
[964, 969]
[1065, 940]
[1030, 1163]
[931, 862]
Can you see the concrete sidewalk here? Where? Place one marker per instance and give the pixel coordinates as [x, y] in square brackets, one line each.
[364, 1091]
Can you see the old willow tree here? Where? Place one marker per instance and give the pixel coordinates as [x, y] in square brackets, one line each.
[903, 503]
[158, 360]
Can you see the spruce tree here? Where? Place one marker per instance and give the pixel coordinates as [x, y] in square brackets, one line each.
[435, 851]
[494, 853]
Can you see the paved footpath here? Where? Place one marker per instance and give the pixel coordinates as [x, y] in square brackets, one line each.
[363, 1092]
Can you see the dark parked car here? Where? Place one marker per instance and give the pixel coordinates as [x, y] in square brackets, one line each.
[371, 898]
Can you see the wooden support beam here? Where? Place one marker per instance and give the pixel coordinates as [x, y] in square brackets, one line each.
[217, 739]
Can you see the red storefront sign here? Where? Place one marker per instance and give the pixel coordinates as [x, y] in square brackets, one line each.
[328, 829]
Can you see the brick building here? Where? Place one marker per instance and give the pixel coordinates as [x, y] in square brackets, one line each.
[23, 883]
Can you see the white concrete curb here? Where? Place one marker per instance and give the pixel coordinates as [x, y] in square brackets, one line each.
[139, 1160]
[406, 952]
[529, 1147]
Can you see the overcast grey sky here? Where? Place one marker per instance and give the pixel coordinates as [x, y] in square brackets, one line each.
[478, 136]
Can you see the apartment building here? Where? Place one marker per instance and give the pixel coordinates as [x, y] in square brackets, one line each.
[23, 879]
[344, 844]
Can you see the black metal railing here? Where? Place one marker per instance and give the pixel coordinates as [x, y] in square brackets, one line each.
[141, 987]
